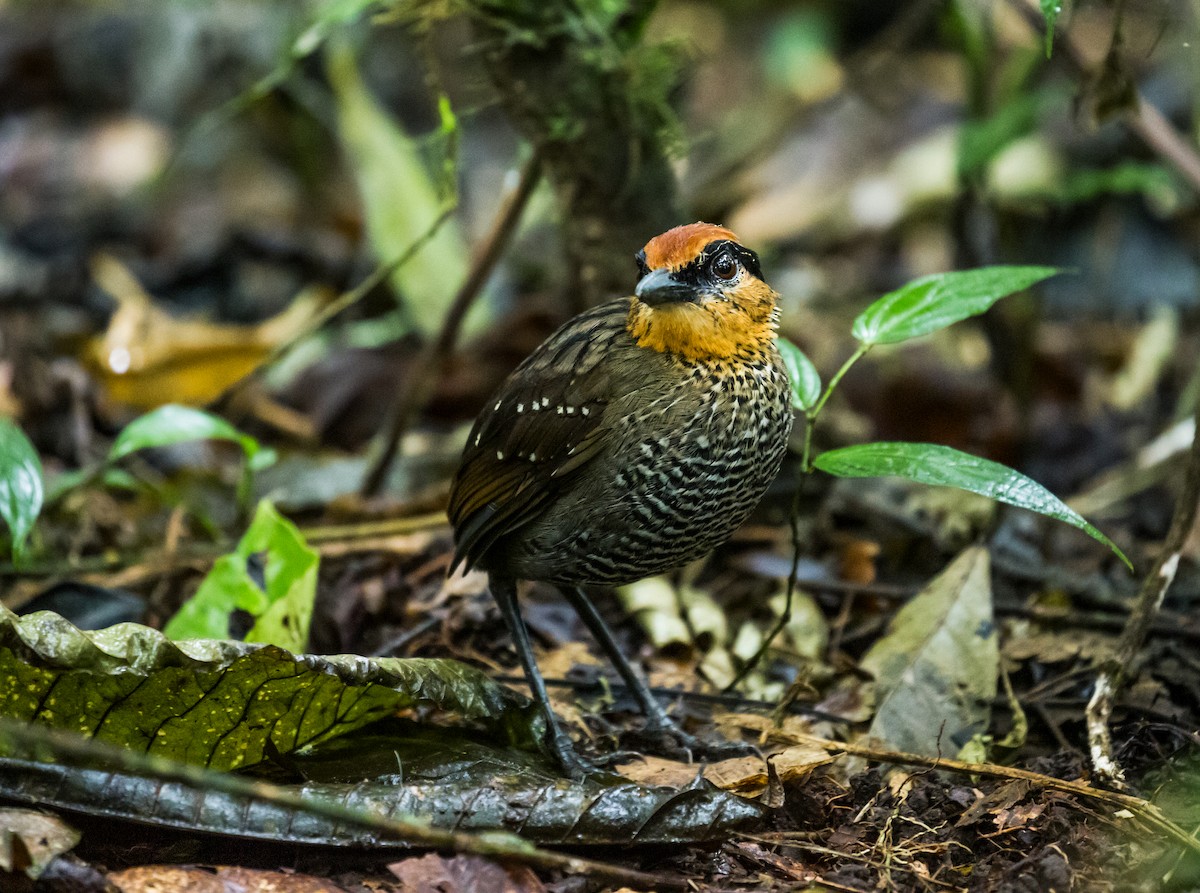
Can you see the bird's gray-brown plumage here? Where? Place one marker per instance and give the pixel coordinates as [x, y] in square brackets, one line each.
[636, 438]
[600, 461]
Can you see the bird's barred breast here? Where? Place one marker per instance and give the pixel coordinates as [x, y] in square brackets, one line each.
[685, 470]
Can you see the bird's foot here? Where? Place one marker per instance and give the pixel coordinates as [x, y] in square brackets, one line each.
[663, 736]
[561, 749]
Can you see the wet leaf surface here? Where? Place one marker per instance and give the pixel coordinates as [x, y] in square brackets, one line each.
[451, 781]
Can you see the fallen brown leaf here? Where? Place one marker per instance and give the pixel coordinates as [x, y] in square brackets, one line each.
[463, 874]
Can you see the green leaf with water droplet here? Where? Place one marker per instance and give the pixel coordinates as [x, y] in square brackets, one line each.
[1050, 10]
[931, 303]
[21, 488]
[930, 463]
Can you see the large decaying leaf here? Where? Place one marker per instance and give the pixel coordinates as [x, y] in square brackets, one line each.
[430, 776]
[231, 705]
[943, 466]
[21, 489]
[934, 302]
[220, 704]
[282, 608]
[936, 669]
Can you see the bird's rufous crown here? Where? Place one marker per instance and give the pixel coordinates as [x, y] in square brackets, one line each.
[736, 321]
[679, 246]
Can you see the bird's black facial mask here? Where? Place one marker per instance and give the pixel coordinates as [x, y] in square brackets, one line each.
[717, 266]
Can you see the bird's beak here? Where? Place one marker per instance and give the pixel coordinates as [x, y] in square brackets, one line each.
[660, 287]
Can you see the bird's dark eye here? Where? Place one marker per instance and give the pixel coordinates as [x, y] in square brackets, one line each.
[724, 266]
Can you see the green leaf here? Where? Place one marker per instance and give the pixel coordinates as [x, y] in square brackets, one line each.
[21, 488]
[283, 610]
[173, 424]
[221, 704]
[1151, 180]
[1050, 9]
[936, 668]
[802, 374]
[934, 302]
[929, 463]
[980, 141]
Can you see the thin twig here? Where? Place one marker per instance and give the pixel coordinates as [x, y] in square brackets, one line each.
[65, 747]
[785, 616]
[727, 701]
[130, 570]
[1143, 810]
[1115, 669]
[423, 373]
[346, 299]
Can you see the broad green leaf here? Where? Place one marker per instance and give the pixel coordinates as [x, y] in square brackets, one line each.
[283, 610]
[934, 302]
[21, 488]
[221, 704]
[936, 669]
[802, 374]
[929, 463]
[173, 424]
[1050, 9]
[400, 200]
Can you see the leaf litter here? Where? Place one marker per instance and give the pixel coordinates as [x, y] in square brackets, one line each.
[1056, 601]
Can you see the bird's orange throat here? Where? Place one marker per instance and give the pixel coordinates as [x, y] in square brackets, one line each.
[712, 330]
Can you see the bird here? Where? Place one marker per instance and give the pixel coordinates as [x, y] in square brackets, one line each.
[632, 441]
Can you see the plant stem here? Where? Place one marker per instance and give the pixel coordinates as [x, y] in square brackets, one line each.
[422, 375]
[1116, 669]
[805, 467]
[812, 414]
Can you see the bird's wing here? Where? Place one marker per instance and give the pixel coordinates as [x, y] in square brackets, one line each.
[545, 424]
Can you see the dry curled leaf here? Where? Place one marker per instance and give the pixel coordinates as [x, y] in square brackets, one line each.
[433, 873]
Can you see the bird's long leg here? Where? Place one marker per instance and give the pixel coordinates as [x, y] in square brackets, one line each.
[504, 591]
[656, 716]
